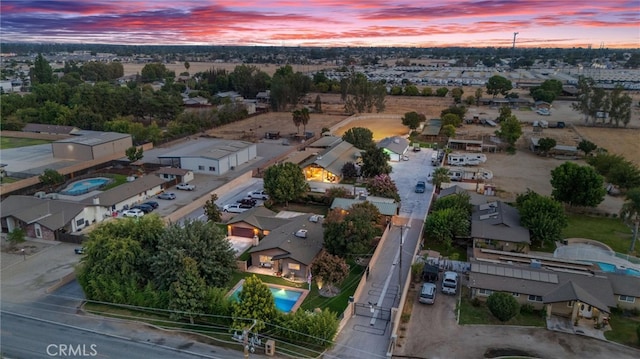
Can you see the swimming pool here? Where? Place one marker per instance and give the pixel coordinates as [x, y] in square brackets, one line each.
[84, 186]
[608, 267]
[285, 299]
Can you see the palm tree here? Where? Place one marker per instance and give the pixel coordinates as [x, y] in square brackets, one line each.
[631, 212]
[304, 118]
[297, 119]
[440, 176]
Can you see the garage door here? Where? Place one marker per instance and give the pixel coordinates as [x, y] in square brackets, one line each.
[242, 232]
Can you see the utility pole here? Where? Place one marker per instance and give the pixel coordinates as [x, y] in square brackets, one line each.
[245, 340]
[513, 51]
[400, 261]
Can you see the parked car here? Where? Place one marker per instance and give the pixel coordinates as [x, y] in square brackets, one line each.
[450, 283]
[153, 204]
[421, 187]
[234, 208]
[248, 202]
[167, 195]
[428, 293]
[186, 187]
[144, 207]
[133, 212]
[258, 195]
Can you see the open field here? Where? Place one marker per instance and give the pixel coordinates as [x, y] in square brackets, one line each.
[195, 67]
[621, 141]
[14, 142]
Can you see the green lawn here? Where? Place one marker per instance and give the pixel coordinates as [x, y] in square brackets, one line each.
[457, 253]
[117, 180]
[470, 314]
[610, 231]
[15, 142]
[623, 329]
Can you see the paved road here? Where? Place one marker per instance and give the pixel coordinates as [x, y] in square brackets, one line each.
[363, 337]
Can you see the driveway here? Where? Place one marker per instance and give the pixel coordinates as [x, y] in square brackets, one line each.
[432, 333]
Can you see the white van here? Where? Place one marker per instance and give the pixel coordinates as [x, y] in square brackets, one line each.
[428, 293]
[450, 283]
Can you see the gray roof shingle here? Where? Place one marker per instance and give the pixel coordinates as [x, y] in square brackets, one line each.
[499, 221]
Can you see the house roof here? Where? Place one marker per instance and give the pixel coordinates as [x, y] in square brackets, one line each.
[395, 144]
[302, 250]
[259, 217]
[499, 221]
[126, 191]
[208, 148]
[432, 128]
[53, 214]
[540, 282]
[455, 189]
[570, 291]
[386, 206]
[57, 129]
[172, 171]
[625, 284]
[334, 158]
[94, 138]
[325, 141]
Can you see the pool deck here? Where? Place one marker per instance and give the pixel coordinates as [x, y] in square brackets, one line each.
[592, 253]
[303, 295]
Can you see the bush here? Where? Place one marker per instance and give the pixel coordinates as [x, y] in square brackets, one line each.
[503, 306]
[476, 302]
[526, 309]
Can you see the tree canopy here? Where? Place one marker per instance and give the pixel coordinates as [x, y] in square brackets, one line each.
[361, 95]
[412, 119]
[329, 270]
[285, 182]
[498, 85]
[503, 305]
[543, 216]
[630, 212]
[383, 186]
[577, 185]
[510, 130]
[446, 224]
[351, 231]
[359, 137]
[375, 161]
[255, 302]
[211, 209]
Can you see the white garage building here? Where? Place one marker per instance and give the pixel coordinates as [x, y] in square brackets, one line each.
[211, 156]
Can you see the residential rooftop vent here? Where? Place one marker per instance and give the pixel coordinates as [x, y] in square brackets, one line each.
[301, 233]
[315, 218]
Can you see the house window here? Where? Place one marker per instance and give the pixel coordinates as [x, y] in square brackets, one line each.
[200, 168]
[535, 298]
[484, 292]
[570, 304]
[516, 295]
[265, 259]
[212, 169]
[38, 230]
[80, 222]
[627, 298]
[294, 266]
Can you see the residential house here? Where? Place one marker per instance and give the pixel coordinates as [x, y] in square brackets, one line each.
[387, 207]
[327, 165]
[258, 221]
[496, 225]
[291, 248]
[626, 289]
[541, 105]
[126, 195]
[395, 147]
[46, 218]
[175, 175]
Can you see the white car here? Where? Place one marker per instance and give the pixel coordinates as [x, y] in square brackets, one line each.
[135, 212]
[234, 208]
[258, 195]
[186, 187]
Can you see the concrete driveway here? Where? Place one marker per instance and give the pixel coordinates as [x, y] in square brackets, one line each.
[432, 333]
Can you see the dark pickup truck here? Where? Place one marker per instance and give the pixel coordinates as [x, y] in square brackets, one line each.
[249, 202]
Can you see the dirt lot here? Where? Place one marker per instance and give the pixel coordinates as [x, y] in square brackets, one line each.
[195, 67]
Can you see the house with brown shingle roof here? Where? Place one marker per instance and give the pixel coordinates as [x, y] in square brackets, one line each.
[496, 225]
[258, 221]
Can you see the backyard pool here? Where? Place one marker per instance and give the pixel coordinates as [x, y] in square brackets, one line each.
[608, 267]
[287, 299]
[84, 186]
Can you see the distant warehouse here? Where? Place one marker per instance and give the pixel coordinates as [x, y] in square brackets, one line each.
[91, 145]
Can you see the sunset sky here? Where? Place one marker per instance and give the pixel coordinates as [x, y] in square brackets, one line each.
[419, 23]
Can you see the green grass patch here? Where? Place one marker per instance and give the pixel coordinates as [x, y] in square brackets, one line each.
[15, 142]
[623, 329]
[548, 248]
[457, 253]
[8, 180]
[302, 207]
[117, 180]
[480, 314]
[610, 231]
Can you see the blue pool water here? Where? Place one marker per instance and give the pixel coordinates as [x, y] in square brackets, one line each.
[84, 186]
[285, 299]
[608, 267]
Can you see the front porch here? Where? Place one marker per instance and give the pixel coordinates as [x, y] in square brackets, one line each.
[583, 326]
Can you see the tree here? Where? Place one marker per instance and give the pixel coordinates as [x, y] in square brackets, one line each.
[204, 242]
[411, 90]
[584, 96]
[503, 305]
[458, 200]
[630, 212]
[449, 131]
[547, 91]
[360, 95]
[287, 87]
[375, 161]
[478, 95]
[543, 216]
[412, 119]
[446, 224]
[587, 147]
[318, 104]
[329, 270]
[383, 186]
[297, 119]
[285, 182]
[255, 302]
[458, 110]
[498, 85]
[337, 192]
[134, 153]
[155, 72]
[620, 107]
[187, 65]
[510, 130]
[359, 137]
[51, 177]
[349, 170]
[440, 176]
[451, 119]
[41, 73]
[351, 231]
[187, 293]
[577, 185]
[16, 236]
[304, 118]
[457, 93]
[545, 144]
[211, 209]
[442, 92]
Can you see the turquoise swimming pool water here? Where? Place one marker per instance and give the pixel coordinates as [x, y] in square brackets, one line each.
[285, 299]
[84, 186]
[608, 267]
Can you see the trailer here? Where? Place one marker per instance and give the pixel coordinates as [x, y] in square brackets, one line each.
[466, 159]
[460, 174]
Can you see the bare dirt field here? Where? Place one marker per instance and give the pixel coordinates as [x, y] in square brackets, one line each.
[195, 67]
[621, 141]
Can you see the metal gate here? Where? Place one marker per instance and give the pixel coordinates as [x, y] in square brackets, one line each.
[367, 310]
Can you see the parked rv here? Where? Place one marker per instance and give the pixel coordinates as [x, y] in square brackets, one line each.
[466, 159]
